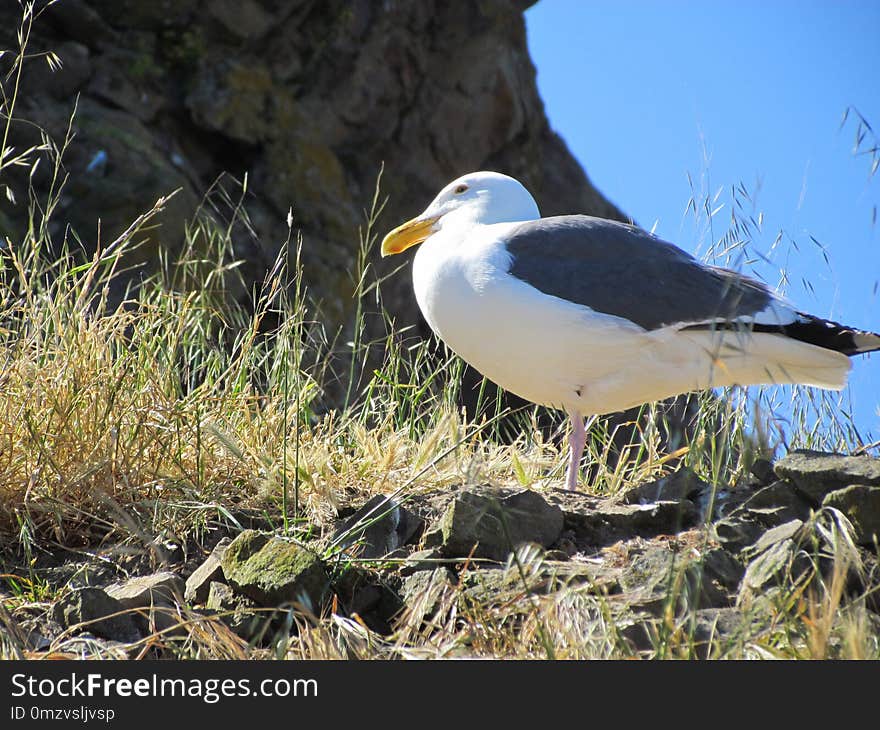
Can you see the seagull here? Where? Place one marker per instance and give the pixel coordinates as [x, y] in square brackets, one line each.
[594, 316]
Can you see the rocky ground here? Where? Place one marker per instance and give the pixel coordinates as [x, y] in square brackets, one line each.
[402, 572]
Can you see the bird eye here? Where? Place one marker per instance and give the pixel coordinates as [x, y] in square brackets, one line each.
[460, 189]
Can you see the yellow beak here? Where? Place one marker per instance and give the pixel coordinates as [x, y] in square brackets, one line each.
[407, 235]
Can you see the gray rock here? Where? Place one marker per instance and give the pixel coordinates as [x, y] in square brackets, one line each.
[861, 505]
[163, 589]
[602, 578]
[378, 528]
[762, 471]
[491, 526]
[769, 567]
[737, 531]
[241, 18]
[775, 504]
[421, 560]
[716, 629]
[63, 81]
[222, 598]
[722, 567]
[76, 574]
[422, 594]
[775, 535]
[676, 487]
[657, 577]
[110, 83]
[598, 522]
[199, 581]
[157, 596]
[154, 16]
[867, 580]
[433, 537]
[496, 586]
[639, 631]
[784, 507]
[416, 585]
[75, 19]
[95, 606]
[272, 571]
[702, 587]
[362, 592]
[649, 576]
[816, 473]
[238, 612]
[137, 170]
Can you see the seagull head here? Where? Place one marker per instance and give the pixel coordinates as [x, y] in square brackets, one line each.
[478, 198]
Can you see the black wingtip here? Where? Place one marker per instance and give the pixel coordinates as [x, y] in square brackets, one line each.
[827, 334]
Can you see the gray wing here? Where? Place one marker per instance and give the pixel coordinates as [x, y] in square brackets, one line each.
[622, 270]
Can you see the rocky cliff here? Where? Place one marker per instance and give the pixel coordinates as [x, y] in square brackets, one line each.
[308, 98]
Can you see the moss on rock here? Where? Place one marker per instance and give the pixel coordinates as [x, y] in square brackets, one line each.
[272, 571]
[861, 505]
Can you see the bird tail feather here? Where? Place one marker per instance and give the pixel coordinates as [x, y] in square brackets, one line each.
[759, 358]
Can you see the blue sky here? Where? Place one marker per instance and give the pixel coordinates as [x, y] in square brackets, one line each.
[752, 93]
